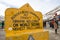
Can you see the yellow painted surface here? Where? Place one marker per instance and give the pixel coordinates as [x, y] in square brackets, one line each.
[30, 35]
[24, 22]
[24, 18]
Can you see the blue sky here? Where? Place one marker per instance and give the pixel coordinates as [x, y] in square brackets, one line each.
[38, 5]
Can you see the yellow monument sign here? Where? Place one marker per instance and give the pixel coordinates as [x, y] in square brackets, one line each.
[24, 24]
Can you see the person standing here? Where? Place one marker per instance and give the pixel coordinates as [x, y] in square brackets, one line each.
[55, 25]
[56, 18]
[59, 20]
[2, 24]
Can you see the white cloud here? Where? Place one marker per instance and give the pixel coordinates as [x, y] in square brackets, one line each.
[38, 5]
[2, 9]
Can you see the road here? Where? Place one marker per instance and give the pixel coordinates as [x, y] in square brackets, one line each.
[52, 35]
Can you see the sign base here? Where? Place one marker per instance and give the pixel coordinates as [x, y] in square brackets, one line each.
[29, 35]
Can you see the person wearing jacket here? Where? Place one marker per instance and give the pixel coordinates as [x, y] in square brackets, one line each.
[55, 26]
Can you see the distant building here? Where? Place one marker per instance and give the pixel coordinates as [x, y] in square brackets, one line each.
[49, 15]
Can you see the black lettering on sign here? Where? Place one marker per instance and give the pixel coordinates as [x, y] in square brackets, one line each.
[15, 25]
[29, 24]
[25, 13]
[25, 21]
